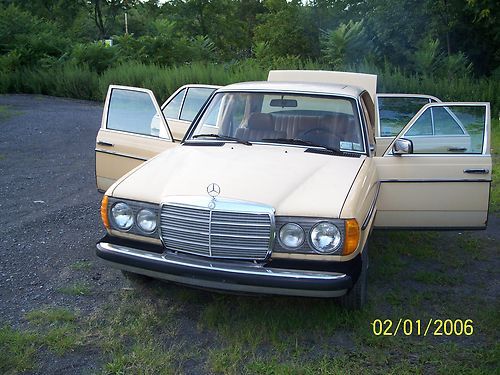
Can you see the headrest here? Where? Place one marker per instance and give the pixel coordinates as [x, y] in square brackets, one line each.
[260, 121]
[335, 121]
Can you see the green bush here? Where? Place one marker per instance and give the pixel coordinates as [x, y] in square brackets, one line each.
[25, 39]
[96, 56]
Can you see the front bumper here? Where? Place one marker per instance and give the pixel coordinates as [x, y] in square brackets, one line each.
[234, 276]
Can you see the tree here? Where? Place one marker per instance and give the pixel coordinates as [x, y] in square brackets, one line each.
[288, 29]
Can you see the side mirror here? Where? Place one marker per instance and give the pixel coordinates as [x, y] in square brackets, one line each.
[402, 146]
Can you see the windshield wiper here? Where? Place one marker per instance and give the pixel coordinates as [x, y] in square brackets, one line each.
[223, 137]
[296, 141]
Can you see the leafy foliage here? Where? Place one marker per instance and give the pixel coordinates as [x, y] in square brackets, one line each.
[424, 37]
[347, 44]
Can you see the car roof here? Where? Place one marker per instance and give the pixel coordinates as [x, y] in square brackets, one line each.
[296, 87]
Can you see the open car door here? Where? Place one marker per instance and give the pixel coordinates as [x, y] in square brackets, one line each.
[132, 131]
[436, 173]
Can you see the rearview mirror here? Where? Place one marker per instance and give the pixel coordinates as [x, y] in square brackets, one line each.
[283, 103]
[402, 146]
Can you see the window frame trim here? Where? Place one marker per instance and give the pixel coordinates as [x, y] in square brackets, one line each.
[159, 112]
[430, 99]
[176, 92]
[356, 100]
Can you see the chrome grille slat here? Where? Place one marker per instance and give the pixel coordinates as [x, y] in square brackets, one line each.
[257, 225]
[174, 228]
[218, 233]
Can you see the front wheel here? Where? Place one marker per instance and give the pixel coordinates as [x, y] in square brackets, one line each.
[356, 297]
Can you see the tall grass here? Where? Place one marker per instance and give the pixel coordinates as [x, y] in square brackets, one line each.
[83, 83]
[67, 81]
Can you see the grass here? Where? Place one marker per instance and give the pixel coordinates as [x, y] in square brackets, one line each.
[57, 329]
[53, 329]
[17, 350]
[81, 265]
[441, 277]
[130, 334]
[6, 112]
[76, 289]
[50, 316]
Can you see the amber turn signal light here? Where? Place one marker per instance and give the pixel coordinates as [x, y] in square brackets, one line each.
[351, 236]
[104, 211]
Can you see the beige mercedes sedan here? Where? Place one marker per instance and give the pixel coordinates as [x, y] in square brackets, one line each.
[277, 185]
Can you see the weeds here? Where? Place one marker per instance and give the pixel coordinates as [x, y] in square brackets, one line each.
[6, 112]
[17, 350]
[77, 81]
[81, 265]
[76, 289]
[50, 316]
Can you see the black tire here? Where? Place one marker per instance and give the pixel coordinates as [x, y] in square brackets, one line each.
[136, 277]
[356, 297]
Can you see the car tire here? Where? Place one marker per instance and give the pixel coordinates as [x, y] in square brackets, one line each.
[356, 297]
[136, 277]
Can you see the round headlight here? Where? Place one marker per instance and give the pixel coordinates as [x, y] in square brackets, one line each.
[123, 216]
[291, 235]
[146, 220]
[325, 237]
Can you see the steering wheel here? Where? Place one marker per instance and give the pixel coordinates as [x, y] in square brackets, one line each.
[320, 135]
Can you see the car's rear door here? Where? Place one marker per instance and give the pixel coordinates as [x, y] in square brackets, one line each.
[444, 185]
[183, 105]
[132, 131]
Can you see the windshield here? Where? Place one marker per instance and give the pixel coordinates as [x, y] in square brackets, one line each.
[330, 122]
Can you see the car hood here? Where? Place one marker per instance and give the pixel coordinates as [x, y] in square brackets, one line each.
[295, 183]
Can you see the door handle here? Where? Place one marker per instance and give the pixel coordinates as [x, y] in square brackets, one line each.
[101, 143]
[477, 171]
[457, 149]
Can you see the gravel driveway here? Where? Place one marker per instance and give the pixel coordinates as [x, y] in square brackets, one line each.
[49, 204]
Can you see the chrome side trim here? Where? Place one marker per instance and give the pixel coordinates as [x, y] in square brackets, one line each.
[437, 180]
[230, 267]
[372, 208]
[119, 154]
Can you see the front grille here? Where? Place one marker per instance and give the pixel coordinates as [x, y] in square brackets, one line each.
[217, 233]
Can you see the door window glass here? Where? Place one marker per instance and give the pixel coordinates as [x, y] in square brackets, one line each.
[195, 98]
[173, 108]
[446, 122]
[423, 126]
[454, 130]
[396, 112]
[131, 111]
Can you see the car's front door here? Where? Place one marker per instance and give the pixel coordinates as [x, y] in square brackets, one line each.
[132, 131]
[442, 183]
